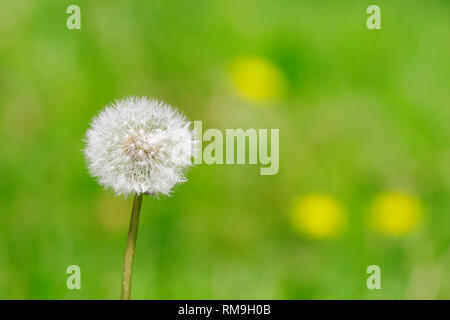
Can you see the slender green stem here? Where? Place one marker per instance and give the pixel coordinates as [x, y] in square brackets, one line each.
[131, 246]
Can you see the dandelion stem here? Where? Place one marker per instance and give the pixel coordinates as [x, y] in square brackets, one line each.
[130, 249]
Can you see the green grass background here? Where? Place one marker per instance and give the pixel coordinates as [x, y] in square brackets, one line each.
[364, 111]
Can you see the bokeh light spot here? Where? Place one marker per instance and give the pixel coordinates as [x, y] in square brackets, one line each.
[256, 79]
[396, 213]
[319, 216]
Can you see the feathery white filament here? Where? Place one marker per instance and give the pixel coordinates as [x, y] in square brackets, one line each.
[137, 145]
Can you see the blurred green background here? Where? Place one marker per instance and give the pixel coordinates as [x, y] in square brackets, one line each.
[364, 173]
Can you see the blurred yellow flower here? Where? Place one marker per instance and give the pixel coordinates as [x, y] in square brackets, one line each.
[256, 78]
[318, 216]
[396, 213]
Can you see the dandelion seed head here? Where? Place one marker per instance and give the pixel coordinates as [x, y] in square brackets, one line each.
[139, 145]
